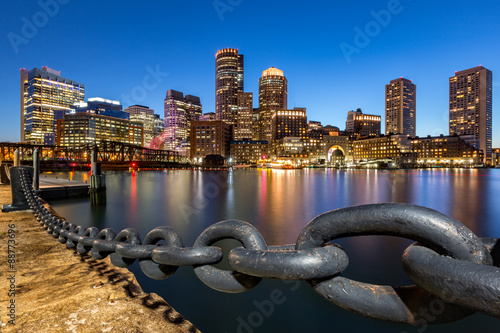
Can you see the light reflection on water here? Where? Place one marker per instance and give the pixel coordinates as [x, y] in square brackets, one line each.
[280, 203]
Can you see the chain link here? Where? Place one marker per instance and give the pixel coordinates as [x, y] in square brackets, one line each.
[449, 264]
[468, 284]
[435, 230]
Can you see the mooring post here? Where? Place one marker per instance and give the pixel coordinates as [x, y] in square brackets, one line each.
[97, 182]
[36, 170]
[4, 173]
[93, 160]
[17, 160]
[19, 201]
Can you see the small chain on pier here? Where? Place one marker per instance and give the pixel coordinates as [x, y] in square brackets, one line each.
[454, 271]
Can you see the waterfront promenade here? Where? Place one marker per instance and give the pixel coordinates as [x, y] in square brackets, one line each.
[57, 290]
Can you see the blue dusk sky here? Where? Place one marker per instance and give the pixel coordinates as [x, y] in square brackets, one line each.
[336, 55]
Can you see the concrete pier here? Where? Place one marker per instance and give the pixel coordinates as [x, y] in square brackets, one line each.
[54, 188]
[57, 290]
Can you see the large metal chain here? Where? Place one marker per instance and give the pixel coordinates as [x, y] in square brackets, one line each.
[451, 267]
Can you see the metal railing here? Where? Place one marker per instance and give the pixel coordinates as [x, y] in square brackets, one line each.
[454, 270]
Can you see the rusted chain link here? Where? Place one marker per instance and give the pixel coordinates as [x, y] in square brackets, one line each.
[451, 267]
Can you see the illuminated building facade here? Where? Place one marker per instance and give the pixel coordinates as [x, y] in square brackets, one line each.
[288, 123]
[244, 151]
[331, 130]
[495, 157]
[243, 127]
[338, 149]
[362, 124]
[102, 106]
[255, 124]
[180, 111]
[471, 107]
[314, 125]
[23, 101]
[291, 147]
[228, 82]
[443, 150]
[314, 145]
[400, 107]
[273, 96]
[394, 147]
[159, 124]
[145, 116]
[94, 105]
[210, 138]
[76, 130]
[209, 116]
[44, 91]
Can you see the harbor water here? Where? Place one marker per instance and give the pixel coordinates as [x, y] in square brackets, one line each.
[280, 203]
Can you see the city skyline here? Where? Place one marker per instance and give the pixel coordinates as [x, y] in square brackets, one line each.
[317, 73]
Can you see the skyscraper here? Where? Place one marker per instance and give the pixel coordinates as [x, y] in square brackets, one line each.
[180, 111]
[273, 96]
[255, 124]
[228, 82]
[44, 91]
[471, 107]
[145, 116]
[243, 128]
[400, 107]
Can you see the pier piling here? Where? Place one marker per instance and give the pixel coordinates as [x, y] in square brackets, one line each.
[97, 182]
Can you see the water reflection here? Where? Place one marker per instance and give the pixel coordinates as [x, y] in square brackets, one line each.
[280, 203]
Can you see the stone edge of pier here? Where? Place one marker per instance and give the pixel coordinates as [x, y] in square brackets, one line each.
[58, 290]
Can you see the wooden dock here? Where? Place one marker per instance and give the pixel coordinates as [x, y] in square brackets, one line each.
[56, 188]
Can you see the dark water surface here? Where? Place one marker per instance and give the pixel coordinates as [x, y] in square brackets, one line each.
[280, 203]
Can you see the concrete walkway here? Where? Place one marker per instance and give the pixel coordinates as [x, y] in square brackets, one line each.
[57, 290]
